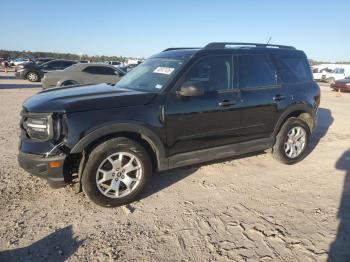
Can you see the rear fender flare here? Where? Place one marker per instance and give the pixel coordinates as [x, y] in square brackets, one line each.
[303, 108]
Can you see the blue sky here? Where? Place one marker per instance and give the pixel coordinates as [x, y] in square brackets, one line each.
[142, 28]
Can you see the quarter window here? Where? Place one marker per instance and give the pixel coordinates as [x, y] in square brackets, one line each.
[294, 69]
[212, 73]
[256, 71]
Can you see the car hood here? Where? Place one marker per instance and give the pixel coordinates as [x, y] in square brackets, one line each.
[30, 65]
[83, 98]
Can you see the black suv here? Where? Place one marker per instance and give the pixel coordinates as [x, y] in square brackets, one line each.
[180, 107]
[34, 72]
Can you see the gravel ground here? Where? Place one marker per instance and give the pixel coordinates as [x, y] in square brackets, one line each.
[245, 209]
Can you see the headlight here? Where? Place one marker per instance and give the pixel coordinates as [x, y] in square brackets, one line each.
[38, 127]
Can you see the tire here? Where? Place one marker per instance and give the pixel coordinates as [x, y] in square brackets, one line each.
[331, 80]
[69, 83]
[33, 76]
[99, 168]
[283, 149]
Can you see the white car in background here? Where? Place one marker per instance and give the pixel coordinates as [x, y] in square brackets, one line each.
[319, 70]
[338, 73]
[330, 72]
[18, 61]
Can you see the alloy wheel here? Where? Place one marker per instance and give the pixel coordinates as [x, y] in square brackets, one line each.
[32, 77]
[295, 142]
[119, 174]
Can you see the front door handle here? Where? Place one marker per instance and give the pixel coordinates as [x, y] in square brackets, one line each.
[279, 97]
[227, 103]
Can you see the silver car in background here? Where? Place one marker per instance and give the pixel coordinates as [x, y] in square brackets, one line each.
[82, 73]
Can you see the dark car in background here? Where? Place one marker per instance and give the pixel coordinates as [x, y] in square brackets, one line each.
[35, 72]
[342, 85]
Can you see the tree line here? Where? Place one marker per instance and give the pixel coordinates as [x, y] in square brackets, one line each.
[11, 54]
[315, 62]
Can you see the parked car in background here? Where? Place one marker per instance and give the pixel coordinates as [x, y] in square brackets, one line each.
[79, 74]
[340, 72]
[34, 72]
[341, 85]
[114, 63]
[18, 61]
[119, 65]
[319, 70]
[133, 62]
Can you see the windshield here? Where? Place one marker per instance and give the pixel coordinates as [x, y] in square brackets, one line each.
[151, 75]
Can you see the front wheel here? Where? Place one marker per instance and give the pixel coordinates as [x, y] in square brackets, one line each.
[331, 80]
[33, 77]
[116, 172]
[292, 141]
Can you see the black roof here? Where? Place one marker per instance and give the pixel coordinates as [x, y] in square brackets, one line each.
[231, 48]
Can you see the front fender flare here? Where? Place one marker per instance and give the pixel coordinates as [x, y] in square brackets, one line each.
[138, 128]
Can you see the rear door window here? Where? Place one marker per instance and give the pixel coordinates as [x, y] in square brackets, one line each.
[293, 69]
[256, 71]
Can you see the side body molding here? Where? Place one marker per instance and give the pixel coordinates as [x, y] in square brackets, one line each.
[135, 127]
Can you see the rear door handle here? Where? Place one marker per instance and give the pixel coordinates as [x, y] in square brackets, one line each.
[279, 97]
[227, 103]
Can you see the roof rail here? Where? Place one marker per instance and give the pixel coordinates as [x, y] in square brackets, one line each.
[179, 48]
[221, 45]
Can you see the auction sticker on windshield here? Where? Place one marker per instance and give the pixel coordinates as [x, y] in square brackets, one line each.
[164, 70]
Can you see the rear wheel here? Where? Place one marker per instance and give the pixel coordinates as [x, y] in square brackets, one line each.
[69, 83]
[33, 77]
[292, 141]
[116, 172]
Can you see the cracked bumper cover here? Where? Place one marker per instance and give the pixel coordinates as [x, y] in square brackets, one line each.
[38, 165]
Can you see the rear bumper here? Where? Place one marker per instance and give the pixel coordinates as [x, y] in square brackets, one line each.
[341, 88]
[38, 165]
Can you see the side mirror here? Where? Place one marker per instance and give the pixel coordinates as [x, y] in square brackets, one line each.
[191, 89]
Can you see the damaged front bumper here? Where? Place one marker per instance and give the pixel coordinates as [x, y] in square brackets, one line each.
[49, 168]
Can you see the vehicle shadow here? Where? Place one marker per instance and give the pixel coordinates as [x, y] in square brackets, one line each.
[324, 121]
[19, 86]
[339, 250]
[58, 246]
[165, 179]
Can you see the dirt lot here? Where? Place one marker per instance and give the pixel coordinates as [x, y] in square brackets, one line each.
[247, 209]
